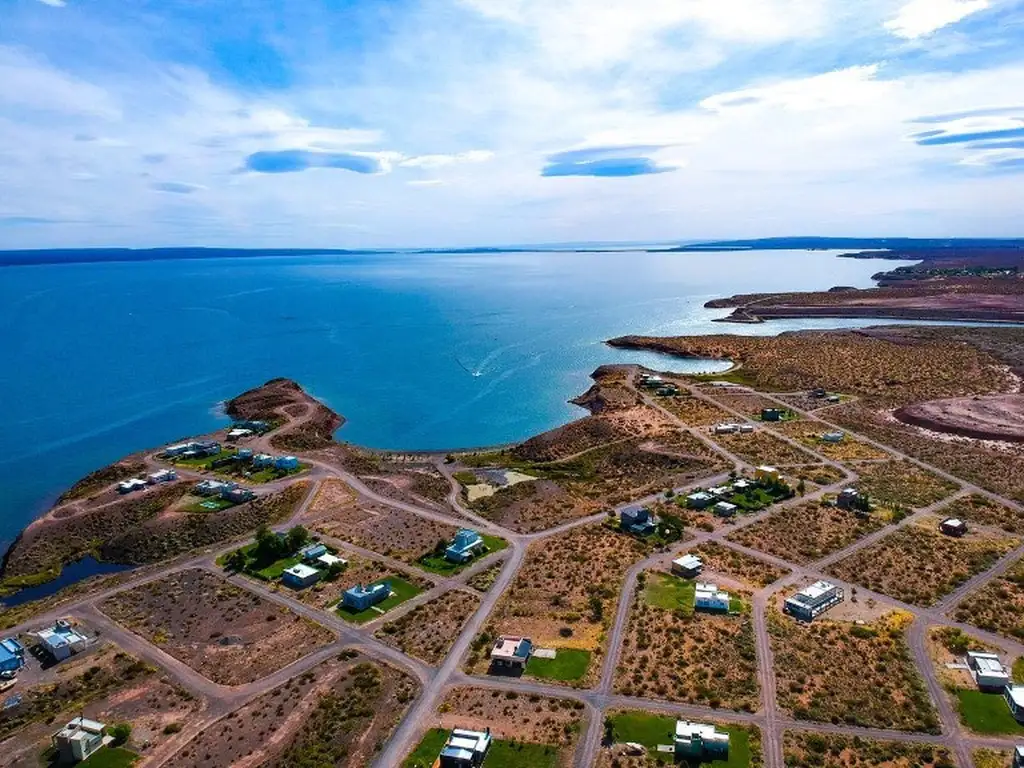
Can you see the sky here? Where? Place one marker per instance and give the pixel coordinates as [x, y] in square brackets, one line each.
[435, 123]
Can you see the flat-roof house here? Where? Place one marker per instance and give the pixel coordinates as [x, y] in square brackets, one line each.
[286, 462]
[130, 485]
[833, 437]
[1014, 695]
[238, 433]
[262, 460]
[834, 398]
[818, 392]
[176, 450]
[243, 454]
[720, 491]
[313, 551]
[359, 598]
[465, 748]
[772, 414]
[638, 520]
[742, 485]
[326, 560]
[238, 494]
[12, 655]
[988, 671]
[61, 640]
[724, 509]
[726, 429]
[953, 527]
[511, 652]
[256, 425]
[688, 566]
[162, 476]
[709, 597]
[745, 429]
[464, 546]
[814, 600]
[300, 575]
[1018, 757]
[212, 487]
[848, 498]
[700, 500]
[700, 742]
[78, 740]
[765, 472]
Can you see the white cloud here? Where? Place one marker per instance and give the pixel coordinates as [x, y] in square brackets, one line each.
[29, 83]
[54, 3]
[841, 88]
[440, 161]
[919, 18]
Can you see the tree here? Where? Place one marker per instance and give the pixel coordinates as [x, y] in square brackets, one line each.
[121, 733]
[237, 561]
[334, 570]
[801, 487]
[298, 537]
[609, 731]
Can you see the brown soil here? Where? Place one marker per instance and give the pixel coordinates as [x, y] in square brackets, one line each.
[279, 400]
[738, 565]
[989, 417]
[832, 751]
[228, 634]
[429, 630]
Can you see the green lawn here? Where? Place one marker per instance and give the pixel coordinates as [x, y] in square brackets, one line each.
[436, 563]
[986, 713]
[401, 590]
[273, 571]
[652, 730]
[208, 505]
[269, 474]
[503, 754]
[663, 590]
[1018, 670]
[568, 664]
[111, 757]
[201, 463]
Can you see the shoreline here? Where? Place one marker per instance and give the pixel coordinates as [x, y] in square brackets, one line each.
[743, 316]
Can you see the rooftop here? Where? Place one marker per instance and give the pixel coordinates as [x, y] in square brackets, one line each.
[81, 724]
[816, 590]
[511, 647]
[689, 562]
[301, 571]
[1016, 694]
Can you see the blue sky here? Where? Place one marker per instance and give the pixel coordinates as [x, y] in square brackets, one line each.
[461, 122]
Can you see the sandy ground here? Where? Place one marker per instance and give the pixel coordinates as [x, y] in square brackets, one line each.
[985, 417]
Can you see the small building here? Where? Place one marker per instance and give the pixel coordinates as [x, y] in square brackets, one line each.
[814, 600]
[212, 487]
[311, 552]
[326, 560]
[819, 393]
[765, 474]
[78, 740]
[720, 491]
[726, 429]
[988, 671]
[243, 454]
[724, 509]
[465, 748]
[700, 742]
[849, 499]
[131, 485]
[511, 652]
[286, 463]
[359, 598]
[300, 575]
[638, 520]
[261, 460]
[688, 566]
[709, 597]
[833, 437]
[162, 476]
[772, 414]
[61, 640]
[700, 500]
[1018, 757]
[12, 655]
[745, 429]
[238, 433]
[253, 425]
[203, 448]
[953, 527]
[669, 390]
[236, 494]
[834, 399]
[176, 450]
[1014, 695]
[466, 544]
[742, 485]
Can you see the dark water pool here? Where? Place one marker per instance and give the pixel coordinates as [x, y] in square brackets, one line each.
[71, 574]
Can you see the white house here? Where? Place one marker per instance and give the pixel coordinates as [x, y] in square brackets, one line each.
[162, 476]
[300, 575]
[701, 742]
[133, 484]
[725, 509]
[61, 640]
[1018, 757]
[688, 565]
[988, 671]
[465, 749]
[78, 740]
[326, 560]
[813, 600]
[710, 598]
[726, 429]
[1014, 695]
[766, 473]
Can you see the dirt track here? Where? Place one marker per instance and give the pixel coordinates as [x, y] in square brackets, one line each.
[985, 417]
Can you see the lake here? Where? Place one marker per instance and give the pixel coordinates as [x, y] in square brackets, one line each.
[433, 351]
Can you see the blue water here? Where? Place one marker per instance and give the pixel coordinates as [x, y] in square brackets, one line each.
[100, 360]
[70, 574]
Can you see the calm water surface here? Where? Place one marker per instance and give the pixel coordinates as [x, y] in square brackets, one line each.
[418, 352]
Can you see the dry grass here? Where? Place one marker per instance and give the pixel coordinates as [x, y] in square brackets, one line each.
[984, 511]
[429, 630]
[809, 434]
[806, 532]
[917, 564]
[813, 750]
[749, 405]
[902, 484]
[738, 565]
[694, 411]
[998, 606]
[762, 447]
[514, 717]
[861, 675]
[819, 474]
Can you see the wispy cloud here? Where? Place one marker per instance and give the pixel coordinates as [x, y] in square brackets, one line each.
[177, 187]
[54, 3]
[919, 18]
[609, 162]
[295, 160]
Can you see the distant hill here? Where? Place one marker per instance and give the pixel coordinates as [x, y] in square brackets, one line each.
[901, 244]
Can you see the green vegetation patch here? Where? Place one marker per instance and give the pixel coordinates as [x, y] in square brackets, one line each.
[568, 664]
[427, 750]
[401, 590]
[663, 590]
[502, 754]
[201, 506]
[111, 757]
[435, 561]
[1018, 670]
[986, 713]
[651, 730]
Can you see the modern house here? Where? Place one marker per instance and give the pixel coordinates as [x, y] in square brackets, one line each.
[687, 566]
[238, 494]
[1014, 695]
[709, 597]
[61, 640]
[953, 527]
[130, 485]
[196, 449]
[1018, 757]
[814, 600]
[833, 437]
[742, 485]
[700, 500]
[511, 652]
[700, 742]
[162, 476]
[254, 425]
[12, 655]
[726, 429]
[212, 487]
[243, 454]
[465, 748]
[772, 414]
[765, 473]
[311, 552]
[78, 740]
[300, 576]
[286, 463]
[849, 499]
[466, 544]
[988, 671]
[638, 520]
[724, 509]
[326, 560]
[238, 433]
[176, 450]
[359, 598]
[746, 429]
[261, 460]
[720, 491]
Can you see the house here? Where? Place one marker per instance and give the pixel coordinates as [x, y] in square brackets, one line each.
[834, 399]
[176, 450]
[766, 474]
[833, 437]
[464, 546]
[669, 390]
[638, 520]
[724, 509]
[772, 414]
[261, 460]
[312, 551]
[243, 454]
[700, 500]
[746, 429]
[300, 576]
[720, 491]
[236, 494]
[238, 433]
[709, 597]
[465, 748]
[359, 598]
[818, 393]
[814, 600]
[687, 566]
[12, 655]
[61, 640]
[253, 425]
[1018, 757]
[1014, 695]
[212, 487]
[953, 527]
[133, 484]
[511, 652]
[286, 463]
[650, 381]
[162, 476]
[326, 560]
[78, 740]
[700, 742]
[742, 485]
[726, 429]
[849, 499]
[988, 671]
